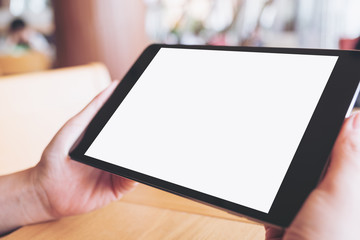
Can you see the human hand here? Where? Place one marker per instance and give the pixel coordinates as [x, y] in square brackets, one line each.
[58, 186]
[332, 210]
[67, 187]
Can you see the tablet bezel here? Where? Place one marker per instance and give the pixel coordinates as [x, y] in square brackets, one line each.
[308, 161]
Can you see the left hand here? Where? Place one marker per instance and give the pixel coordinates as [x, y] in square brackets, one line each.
[66, 187]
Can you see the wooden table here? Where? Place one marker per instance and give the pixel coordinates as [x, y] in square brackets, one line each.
[146, 213]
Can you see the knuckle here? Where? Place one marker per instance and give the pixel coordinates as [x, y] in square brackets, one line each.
[352, 144]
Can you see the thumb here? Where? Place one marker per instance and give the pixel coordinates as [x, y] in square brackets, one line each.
[344, 170]
[69, 133]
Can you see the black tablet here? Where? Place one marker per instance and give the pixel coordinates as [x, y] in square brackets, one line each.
[248, 130]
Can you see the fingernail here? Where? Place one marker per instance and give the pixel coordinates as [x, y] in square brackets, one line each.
[135, 183]
[356, 121]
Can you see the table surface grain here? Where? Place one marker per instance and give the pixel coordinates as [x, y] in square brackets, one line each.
[147, 213]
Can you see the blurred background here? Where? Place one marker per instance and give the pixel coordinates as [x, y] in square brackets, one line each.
[42, 34]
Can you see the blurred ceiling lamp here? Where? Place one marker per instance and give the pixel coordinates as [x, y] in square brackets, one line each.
[221, 14]
[350, 19]
[17, 7]
[37, 6]
[173, 2]
[199, 9]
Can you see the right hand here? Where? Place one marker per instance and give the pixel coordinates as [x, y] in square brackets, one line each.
[332, 211]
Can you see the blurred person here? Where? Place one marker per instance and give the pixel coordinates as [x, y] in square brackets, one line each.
[21, 38]
[357, 44]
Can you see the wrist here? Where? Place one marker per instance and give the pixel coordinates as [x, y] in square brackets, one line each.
[20, 201]
[41, 210]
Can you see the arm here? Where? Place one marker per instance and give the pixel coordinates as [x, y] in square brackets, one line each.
[58, 186]
[19, 202]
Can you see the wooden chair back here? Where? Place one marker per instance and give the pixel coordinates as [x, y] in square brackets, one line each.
[34, 106]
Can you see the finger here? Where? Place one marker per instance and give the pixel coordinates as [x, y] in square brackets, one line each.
[69, 133]
[344, 169]
[85, 116]
[273, 233]
[122, 185]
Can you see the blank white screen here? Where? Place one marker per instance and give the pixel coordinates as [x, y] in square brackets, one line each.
[219, 122]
